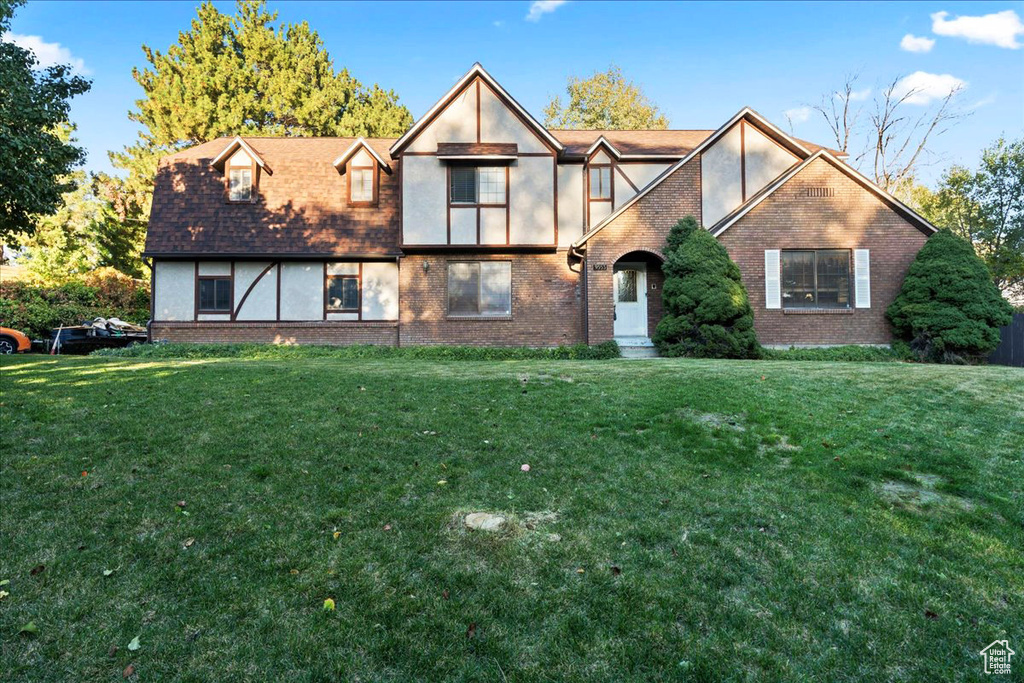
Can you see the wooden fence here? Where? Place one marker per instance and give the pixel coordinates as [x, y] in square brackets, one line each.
[1011, 347]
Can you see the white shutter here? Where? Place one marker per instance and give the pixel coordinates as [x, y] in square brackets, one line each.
[862, 278]
[772, 279]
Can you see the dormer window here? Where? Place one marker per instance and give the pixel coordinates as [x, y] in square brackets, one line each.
[241, 177]
[361, 184]
[600, 182]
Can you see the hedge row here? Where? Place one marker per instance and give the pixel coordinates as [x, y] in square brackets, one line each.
[602, 351]
[35, 310]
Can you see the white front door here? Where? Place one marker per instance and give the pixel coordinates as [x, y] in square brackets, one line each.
[631, 300]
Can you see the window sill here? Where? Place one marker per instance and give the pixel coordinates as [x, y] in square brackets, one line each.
[817, 311]
[478, 317]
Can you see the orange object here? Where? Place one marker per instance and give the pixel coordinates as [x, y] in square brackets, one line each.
[12, 341]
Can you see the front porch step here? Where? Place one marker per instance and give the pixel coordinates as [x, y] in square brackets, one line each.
[639, 351]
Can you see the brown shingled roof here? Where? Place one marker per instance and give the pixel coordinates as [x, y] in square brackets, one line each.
[301, 210]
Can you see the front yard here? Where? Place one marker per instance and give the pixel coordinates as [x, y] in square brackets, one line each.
[681, 520]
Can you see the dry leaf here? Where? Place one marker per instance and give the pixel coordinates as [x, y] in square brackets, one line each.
[444, 594]
[189, 542]
[616, 570]
[329, 605]
[580, 570]
[180, 503]
[3, 594]
[442, 482]
[336, 535]
[387, 527]
[294, 571]
[134, 645]
[38, 569]
[128, 672]
[471, 631]
[930, 614]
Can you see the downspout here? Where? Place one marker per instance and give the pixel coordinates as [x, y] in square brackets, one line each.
[582, 255]
[398, 323]
[152, 297]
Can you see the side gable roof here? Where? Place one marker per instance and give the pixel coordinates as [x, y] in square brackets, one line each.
[233, 146]
[896, 205]
[476, 71]
[747, 114]
[360, 143]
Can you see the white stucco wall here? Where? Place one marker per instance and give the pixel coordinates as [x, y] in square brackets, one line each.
[215, 268]
[532, 201]
[463, 226]
[457, 123]
[499, 124]
[599, 211]
[765, 160]
[380, 291]
[302, 290]
[721, 190]
[424, 201]
[492, 226]
[261, 304]
[174, 290]
[362, 158]
[240, 158]
[570, 203]
[601, 157]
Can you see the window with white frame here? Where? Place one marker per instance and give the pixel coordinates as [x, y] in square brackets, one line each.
[240, 184]
[361, 184]
[815, 278]
[480, 288]
[477, 185]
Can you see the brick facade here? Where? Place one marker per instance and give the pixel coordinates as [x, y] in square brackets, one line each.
[853, 218]
[641, 227]
[546, 303]
[329, 333]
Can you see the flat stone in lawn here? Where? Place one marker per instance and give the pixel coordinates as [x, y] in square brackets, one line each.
[485, 521]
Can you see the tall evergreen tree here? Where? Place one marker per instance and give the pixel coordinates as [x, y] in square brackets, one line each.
[242, 75]
[35, 156]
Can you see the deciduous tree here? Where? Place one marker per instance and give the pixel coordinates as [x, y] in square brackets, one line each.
[605, 101]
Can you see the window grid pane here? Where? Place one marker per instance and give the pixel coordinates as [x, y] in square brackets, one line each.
[833, 270]
[362, 184]
[492, 184]
[463, 185]
[240, 184]
[215, 294]
[482, 288]
[816, 279]
[601, 183]
[342, 293]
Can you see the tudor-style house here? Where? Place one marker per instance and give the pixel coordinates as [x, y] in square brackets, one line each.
[481, 226]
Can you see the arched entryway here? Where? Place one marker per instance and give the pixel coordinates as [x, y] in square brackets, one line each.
[636, 296]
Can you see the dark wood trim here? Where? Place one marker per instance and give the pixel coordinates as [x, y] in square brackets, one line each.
[479, 248]
[537, 154]
[611, 188]
[743, 161]
[253, 284]
[618, 168]
[554, 184]
[419, 154]
[478, 110]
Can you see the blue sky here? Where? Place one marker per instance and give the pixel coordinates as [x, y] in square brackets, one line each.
[700, 62]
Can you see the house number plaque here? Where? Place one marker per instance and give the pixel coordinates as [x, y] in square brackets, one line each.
[600, 266]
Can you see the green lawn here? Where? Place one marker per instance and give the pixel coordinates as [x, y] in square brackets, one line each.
[682, 520]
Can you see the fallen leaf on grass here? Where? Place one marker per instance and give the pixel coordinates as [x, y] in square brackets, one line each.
[616, 570]
[38, 569]
[387, 527]
[128, 672]
[930, 614]
[3, 594]
[580, 570]
[29, 629]
[134, 645]
[471, 631]
[329, 605]
[525, 467]
[188, 542]
[180, 503]
[293, 572]
[444, 594]
[108, 572]
[113, 650]
[5, 582]
[442, 482]
[337, 534]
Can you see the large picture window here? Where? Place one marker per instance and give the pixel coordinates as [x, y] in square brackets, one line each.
[816, 278]
[478, 185]
[214, 295]
[480, 288]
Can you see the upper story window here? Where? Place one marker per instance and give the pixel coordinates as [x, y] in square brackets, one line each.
[480, 185]
[816, 278]
[361, 189]
[241, 173]
[600, 182]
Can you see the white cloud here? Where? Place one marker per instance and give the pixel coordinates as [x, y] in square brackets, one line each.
[912, 43]
[539, 8]
[498, 24]
[798, 115]
[1000, 28]
[48, 54]
[983, 102]
[922, 88]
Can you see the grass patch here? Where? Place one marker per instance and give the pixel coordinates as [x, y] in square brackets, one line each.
[603, 351]
[846, 354]
[681, 519]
